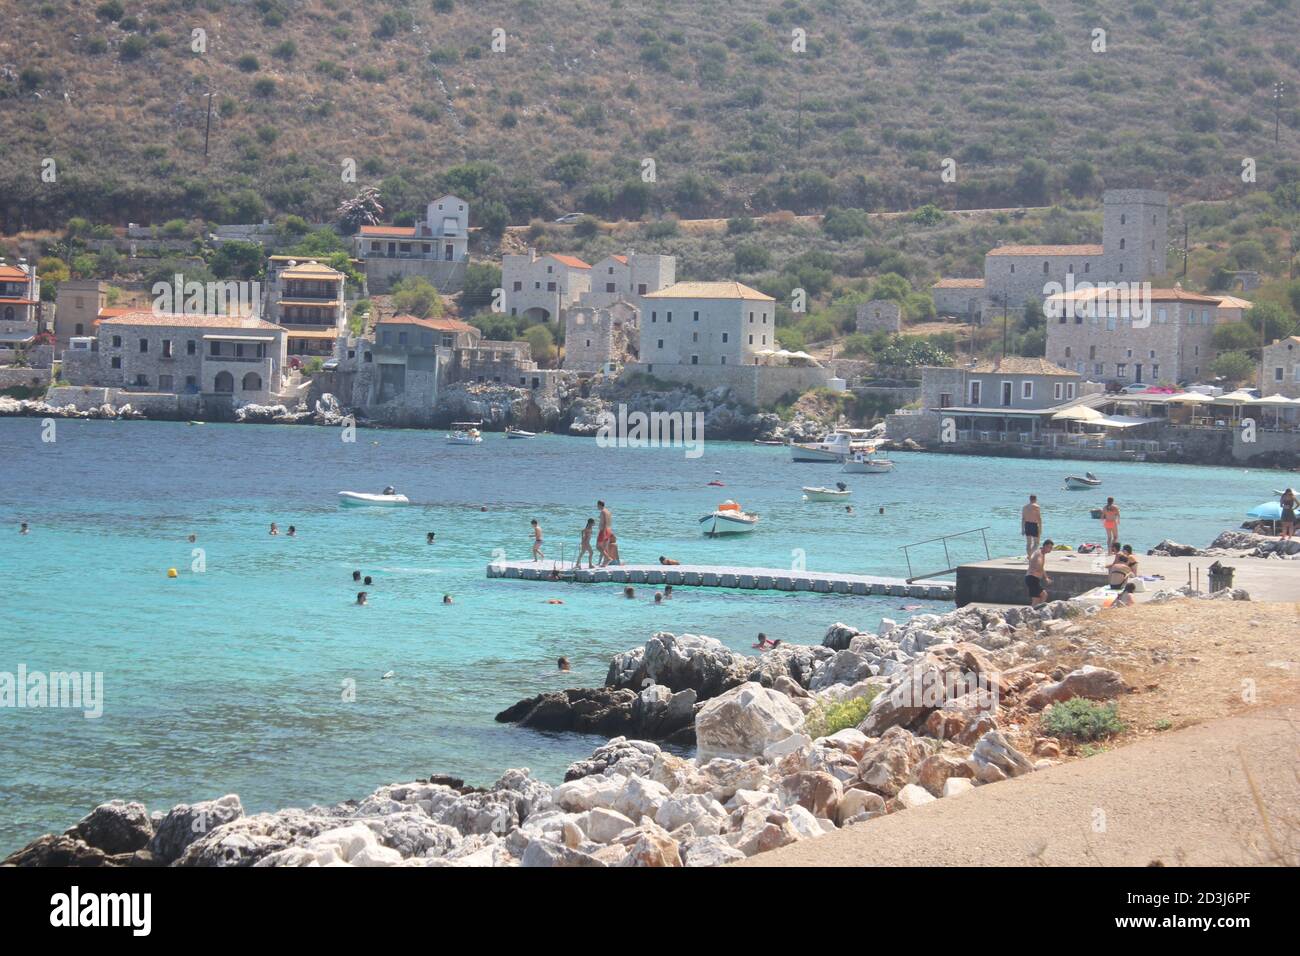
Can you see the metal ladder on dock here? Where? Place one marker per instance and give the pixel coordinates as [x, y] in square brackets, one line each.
[947, 559]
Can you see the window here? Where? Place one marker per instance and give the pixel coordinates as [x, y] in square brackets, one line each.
[751, 318]
[945, 400]
[1006, 393]
[1155, 372]
[654, 316]
[401, 338]
[164, 383]
[1013, 268]
[1128, 353]
[448, 341]
[191, 347]
[1099, 370]
[640, 289]
[1069, 390]
[609, 286]
[1044, 267]
[550, 287]
[695, 336]
[695, 360]
[1121, 369]
[661, 343]
[668, 316]
[1092, 351]
[751, 340]
[695, 316]
[1026, 390]
[144, 345]
[142, 380]
[1151, 354]
[1279, 374]
[1067, 351]
[1121, 243]
[167, 348]
[724, 338]
[724, 360]
[116, 362]
[519, 286]
[1162, 316]
[975, 392]
[1122, 218]
[117, 341]
[79, 331]
[1056, 391]
[191, 383]
[1087, 267]
[764, 342]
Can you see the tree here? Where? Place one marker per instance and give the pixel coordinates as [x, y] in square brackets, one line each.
[1234, 337]
[363, 209]
[482, 279]
[237, 260]
[1032, 182]
[415, 295]
[492, 217]
[751, 257]
[1235, 367]
[1081, 178]
[841, 224]
[542, 343]
[1272, 318]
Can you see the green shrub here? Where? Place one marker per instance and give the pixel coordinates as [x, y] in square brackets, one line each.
[1083, 720]
[826, 720]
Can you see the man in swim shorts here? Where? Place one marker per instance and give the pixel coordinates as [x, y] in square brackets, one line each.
[603, 533]
[1036, 579]
[1031, 524]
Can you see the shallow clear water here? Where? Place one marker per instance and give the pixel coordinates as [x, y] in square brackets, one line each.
[232, 679]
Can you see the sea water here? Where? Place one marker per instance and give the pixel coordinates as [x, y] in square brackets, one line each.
[253, 672]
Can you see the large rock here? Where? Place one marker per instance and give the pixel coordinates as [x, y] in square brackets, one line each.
[993, 749]
[914, 796]
[244, 841]
[620, 755]
[51, 850]
[744, 722]
[186, 823]
[935, 770]
[856, 801]
[711, 851]
[689, 661]
[115, 827]
[886, 767]
[704, 814]
[818, 793]
[1094, 683]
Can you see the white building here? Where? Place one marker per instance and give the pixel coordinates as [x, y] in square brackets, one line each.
[542, 287]
[20, 302]
[629, 277]
[435, 247]
[307, 299]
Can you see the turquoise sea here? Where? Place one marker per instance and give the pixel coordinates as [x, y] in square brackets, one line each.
[232, 678]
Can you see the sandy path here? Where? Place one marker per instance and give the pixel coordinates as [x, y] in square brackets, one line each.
[1182, 798]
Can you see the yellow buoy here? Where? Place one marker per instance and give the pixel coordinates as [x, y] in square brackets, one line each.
[171, 572]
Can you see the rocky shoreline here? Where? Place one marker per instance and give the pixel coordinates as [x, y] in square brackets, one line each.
[1234, 544]
[946, 701]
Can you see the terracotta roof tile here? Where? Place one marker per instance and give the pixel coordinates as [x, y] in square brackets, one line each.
[1086, 250]
[1020, 365]
[710, 290]
[177, 320]
[573, 262]
[959, 284]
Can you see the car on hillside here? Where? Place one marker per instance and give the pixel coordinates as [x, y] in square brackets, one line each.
[570, 218]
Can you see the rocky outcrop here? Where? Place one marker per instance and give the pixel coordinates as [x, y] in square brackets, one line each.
[656, 713]
[744, 722]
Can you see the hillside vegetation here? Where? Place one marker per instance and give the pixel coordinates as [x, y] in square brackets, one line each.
[584, 93]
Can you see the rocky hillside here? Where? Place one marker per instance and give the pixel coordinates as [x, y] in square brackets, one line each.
[532, 108]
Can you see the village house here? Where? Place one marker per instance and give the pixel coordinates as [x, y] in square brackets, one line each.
[1282, 367]
[411, 357]
[77, 303]
[879, 315]
[20, 303]
[540, 288]
[228, 358]
[307, 299]
[1122, 338]
[435, 247]
[1133, 249]
[711, 334]
[960, 298]
[628, 277]
[599, 338]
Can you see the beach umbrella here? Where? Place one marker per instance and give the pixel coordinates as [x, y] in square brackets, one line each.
[1078, 413]
[1268, 511]
[1277, 400]
[1189, 398]
[1239, 397]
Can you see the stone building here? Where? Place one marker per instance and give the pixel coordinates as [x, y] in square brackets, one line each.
[958, 298]
[435, 247]
[409, 357]
[235, 359]
[1133, 249]
[542, 287]
[879, 315]
[1131, 338]
[1010, 382]
[77, 303]
[628, 277]
[598, 338]
[20, 302]
[1282, 367]
[307, 299]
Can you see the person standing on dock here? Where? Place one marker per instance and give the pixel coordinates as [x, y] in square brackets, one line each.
[1036, 577]
[604, 533]
[1031, 524]
[537, 541]
[584, 545]
[1110, 521]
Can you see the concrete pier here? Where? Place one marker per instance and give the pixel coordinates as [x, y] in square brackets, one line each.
[722, 576]
[1002, 580]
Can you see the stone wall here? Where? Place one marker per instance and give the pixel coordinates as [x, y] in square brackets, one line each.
[923, 428]
[754, 385]
[447, 277]
[880, 315]
[24, 377]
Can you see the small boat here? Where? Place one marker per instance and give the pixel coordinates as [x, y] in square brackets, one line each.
[362, 498]
[195, 423]
[1075, 483]
[728, 519]
[767, 441]
[465, 433]
[519, 433]
[834, 448]
[863, 463]
[716, 484]
[838, 493]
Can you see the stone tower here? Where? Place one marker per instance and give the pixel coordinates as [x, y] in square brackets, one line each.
[1135, 234]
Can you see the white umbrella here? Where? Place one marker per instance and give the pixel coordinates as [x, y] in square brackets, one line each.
[1277, 400]
[1239, 397]
[1188, 398]
[1078, 413]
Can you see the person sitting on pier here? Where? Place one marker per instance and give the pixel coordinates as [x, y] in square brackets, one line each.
[1125, 598]
[1131, 558]
[1118, 571]
[667, 561]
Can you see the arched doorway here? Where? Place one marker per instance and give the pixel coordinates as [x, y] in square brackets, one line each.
[537, 314]
[224, 382]
[252, 382]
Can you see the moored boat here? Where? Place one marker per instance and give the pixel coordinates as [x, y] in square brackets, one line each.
[729, 518]
[1077, 483]
[838, 493]
[362, 498]
[465, 433]
[865, 463]
[519, 433]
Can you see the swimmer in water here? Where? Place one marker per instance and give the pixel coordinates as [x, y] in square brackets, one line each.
[764, 643]
[629, 593]
[22, 529]
[446, 599]
[274, 529]
[193, 538]
[368, 581]
[361, 598]
[356, 575]
[428, 538]
[554, 601]
[667, 561]
[668, 592]
[563, 664]
[659, 598]
[848, 509]
[292, 531]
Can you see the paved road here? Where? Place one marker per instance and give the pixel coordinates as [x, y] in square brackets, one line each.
[1180, 798]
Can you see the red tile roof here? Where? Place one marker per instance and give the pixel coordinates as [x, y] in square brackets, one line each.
[10, 273]
[388, 230]
[959, 284]
[1086, 250]
[440, 324]
[178, 320]
[573, 262]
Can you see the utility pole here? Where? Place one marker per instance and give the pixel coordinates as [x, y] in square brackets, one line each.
[1185, 248]
[1278, 89]
[798, 143]
[207, 128]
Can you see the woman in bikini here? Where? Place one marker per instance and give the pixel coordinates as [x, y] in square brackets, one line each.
[1110, 521]
[584, 546]
[1288, 504]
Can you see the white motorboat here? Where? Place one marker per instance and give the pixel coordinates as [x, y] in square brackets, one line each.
[834, 448]
[838, 493]
[519, 433]
[728, 519]
[865, 463]
[1075, 483]
[465, 433]
[362, 498]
